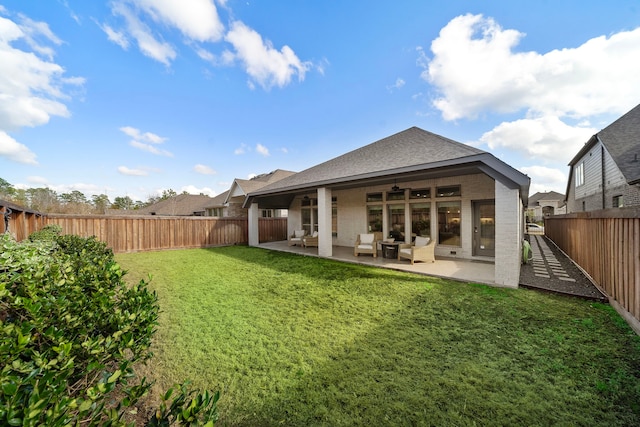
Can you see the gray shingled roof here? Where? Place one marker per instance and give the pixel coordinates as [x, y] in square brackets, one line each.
[219, 200]
[622, 140]
[249, 185]
[411, 147]
[408, 151]
[181, 205]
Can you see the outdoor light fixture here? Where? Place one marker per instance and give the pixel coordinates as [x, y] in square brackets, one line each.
[395, 186]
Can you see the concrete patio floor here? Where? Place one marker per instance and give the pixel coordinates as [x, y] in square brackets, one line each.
[449, 268]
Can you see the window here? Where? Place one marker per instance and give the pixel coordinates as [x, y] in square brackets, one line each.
[579, 174]
[425, 193]
[395, 195]
[267, 213]
[449, 223]
[396, 222]
[451, 191]
[309, 215]
[374, 218]
[420, 219]
[374, 197]
[618, 202]
[334, 216]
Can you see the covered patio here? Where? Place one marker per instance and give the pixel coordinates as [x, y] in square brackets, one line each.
[414, 183]
[475, 271]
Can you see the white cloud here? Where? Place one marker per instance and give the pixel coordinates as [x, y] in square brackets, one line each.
[132, 172]
[148, 43]
[150, 148]
[139, 136]
[262, 150]
[204, 170]
[397, 85]
[118, 37]
[546, 138]
[192, 189]
[14, 151]
[31, 85]
[240, 150]
[265, 65]
[196, 19]
[544, 179]
[476, 69]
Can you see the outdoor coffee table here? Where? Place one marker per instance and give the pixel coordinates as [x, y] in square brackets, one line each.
[389, 249]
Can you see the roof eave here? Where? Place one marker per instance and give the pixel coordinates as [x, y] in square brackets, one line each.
[484, 162]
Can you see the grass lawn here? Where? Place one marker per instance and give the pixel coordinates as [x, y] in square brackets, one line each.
[295, 341]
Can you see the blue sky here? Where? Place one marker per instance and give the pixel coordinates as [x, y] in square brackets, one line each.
[132, 97]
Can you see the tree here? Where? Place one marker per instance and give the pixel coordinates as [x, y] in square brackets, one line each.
[74, 197]
[124, 203]
[167, 194]
[100, 203]
[42, 199]
[6, 189]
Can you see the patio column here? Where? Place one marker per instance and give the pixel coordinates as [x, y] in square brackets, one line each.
[508, 235]
[325, 240]
[254, 231]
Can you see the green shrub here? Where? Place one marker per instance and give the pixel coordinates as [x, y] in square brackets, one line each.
[71, 331]
[47, 233]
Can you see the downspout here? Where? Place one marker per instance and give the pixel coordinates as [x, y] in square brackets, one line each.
[602, 174]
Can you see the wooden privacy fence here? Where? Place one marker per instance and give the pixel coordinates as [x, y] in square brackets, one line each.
[19, 221]
[606, 244]
[144, 233]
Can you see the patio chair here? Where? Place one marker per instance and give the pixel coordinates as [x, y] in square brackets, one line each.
[296, 238]
[310, 240]
[422, 249]
[367, 243]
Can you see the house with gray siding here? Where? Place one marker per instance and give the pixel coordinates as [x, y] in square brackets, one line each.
[413, 183]
[605, 173]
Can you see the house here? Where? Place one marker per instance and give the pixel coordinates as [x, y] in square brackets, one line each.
[180, 205]
[218, 205]
[543, 205]
[606, 171]
[408, 184]
[232, 204]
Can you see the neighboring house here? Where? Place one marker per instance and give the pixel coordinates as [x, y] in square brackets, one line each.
[543, 205]
[232, 204]
[180, 205]
[218, 205]
[408, 184]
[606, 171]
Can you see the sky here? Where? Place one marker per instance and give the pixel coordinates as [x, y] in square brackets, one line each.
[134, 97]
